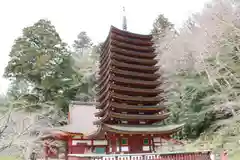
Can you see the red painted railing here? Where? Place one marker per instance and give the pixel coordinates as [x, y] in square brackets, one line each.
[150, 156]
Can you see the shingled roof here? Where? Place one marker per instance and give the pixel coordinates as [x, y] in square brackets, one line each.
[81, 117]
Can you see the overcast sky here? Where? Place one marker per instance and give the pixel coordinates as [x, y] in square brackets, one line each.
[93, 16]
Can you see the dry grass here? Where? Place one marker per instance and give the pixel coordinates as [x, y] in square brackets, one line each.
[8, 158]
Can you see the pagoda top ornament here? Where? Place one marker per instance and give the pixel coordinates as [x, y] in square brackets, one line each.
[124, 24]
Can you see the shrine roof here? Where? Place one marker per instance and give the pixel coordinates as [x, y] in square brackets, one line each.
[81, 117]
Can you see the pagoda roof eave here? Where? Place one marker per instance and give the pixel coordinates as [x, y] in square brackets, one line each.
[129, 107]
[126, 58]
[133, 47]
[130, 34]
[136, 129]
[117, 78]
[136, 74]
[143, 100]
[139, 116]
[138, 91]
[134, 67]
[131, 40]
[115, 52]
[124, 73]
[134, 117]
[141, 129]
[125, 34]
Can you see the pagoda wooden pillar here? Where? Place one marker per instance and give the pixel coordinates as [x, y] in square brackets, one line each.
[108, 145]
[114, 144]
[92, 149]
[153, 145]
[120, 144]
[150, 143]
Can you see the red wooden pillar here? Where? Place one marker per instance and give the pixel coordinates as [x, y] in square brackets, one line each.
[92, 149]
[69, 145]
[114, 144]
[150, 143]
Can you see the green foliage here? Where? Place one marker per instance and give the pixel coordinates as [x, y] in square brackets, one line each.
[199, 104]
[161, 24]
[43, 69]
[40, 58]
[206, 95]
[3, 100]
[17, 88]
[36, 51]
[186, 102]
[82, 42]
[85, 63]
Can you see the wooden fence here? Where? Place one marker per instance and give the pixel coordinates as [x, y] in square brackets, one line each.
[205, 155]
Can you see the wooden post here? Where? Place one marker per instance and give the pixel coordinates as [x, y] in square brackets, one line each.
[66, 150]
[70, 145]
[150, 143]
[153, 145]
[92, 145]
[161, 145]
[107, 147]
[120, 144]
[114, 144]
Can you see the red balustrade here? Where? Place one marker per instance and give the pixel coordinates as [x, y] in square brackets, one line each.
[165, 156]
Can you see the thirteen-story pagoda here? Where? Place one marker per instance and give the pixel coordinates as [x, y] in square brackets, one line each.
[130, 102]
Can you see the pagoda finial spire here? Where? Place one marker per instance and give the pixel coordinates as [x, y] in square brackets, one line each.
[124, 20]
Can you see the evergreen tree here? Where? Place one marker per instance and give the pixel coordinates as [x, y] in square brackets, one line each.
[82, 42]
[161, 25]
[40, 58]
[186, 99]
[86, 56]
[18, 88]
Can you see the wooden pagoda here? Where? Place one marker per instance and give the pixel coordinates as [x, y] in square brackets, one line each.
[129, 110]
[130, 102]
